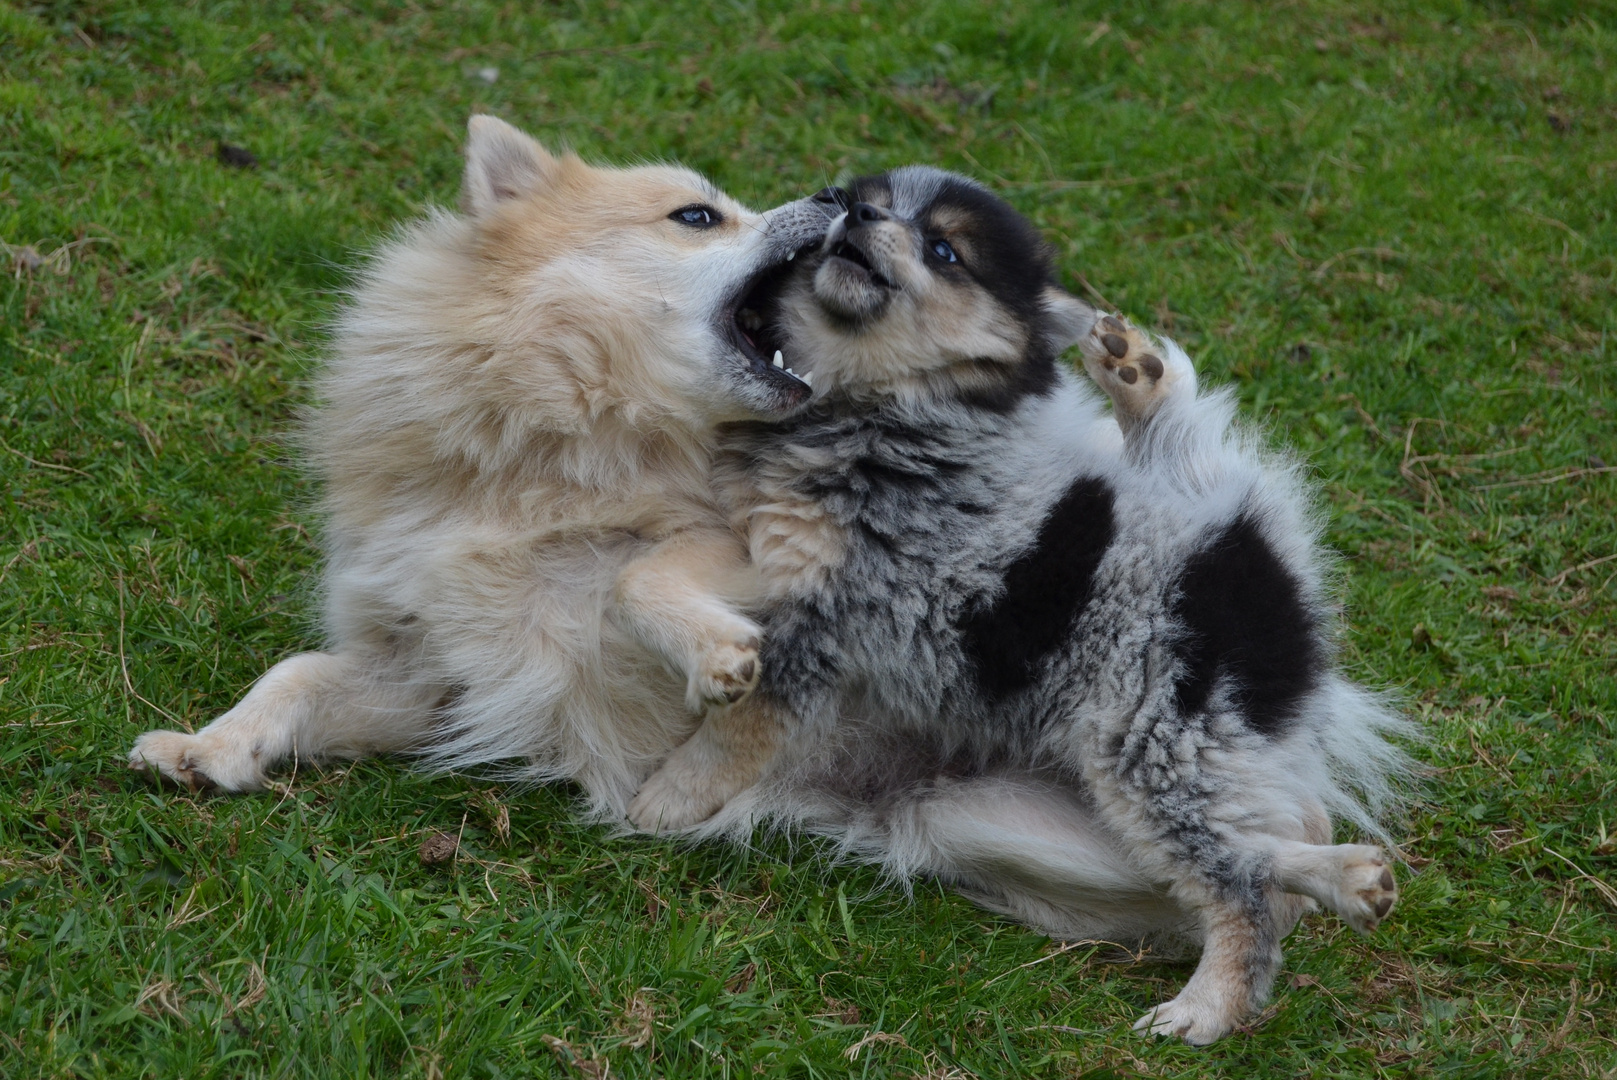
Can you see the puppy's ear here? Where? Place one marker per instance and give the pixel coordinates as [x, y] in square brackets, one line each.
[501, 163]
[1069, 317]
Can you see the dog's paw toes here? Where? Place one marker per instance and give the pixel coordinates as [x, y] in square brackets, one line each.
[670, 801]
[189, 760]
[1184, 1019]
[1135, 373]
[728, 673]
[1368, 891]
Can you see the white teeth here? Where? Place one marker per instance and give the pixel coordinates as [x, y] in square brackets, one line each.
[779, 361]
[790, 255]
[808, 378]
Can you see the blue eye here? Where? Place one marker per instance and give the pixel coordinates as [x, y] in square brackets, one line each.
[942, 250]
[697, 217]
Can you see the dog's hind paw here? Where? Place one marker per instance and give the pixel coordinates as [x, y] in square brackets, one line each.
[1136, 373]
[727, 672]
[1193, 1021]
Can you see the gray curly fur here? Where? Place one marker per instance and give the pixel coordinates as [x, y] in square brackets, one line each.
[903, 757]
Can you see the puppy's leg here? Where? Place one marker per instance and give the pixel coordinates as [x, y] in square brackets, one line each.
[680, 599]
[1248, 916]
[1137, 373]
[1352, 880]
[727, 754]
[1026, 846]
[1243, 924]
[313, 705]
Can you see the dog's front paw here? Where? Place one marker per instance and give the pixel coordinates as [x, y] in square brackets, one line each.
[1365, 887]
[197, 761]
[1196, 1022]
[1135, 373]
[725, 674]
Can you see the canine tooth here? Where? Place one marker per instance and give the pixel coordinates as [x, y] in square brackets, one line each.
[808, 378]
[779, 360]
[790, 255]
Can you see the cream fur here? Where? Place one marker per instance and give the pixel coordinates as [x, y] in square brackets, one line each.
[513, 433]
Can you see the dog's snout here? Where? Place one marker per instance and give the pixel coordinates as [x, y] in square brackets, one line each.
[863, 213]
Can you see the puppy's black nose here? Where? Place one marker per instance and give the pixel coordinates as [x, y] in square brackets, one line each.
[862, 213]
[832, 196]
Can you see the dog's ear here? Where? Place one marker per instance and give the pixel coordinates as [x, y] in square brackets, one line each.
[1069, 318]
[501, 163]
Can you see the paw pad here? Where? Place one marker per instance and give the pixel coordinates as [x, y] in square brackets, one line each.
[1120, 358]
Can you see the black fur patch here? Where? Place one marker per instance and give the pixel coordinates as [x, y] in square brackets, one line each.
[1045, 589]
[1244, 617]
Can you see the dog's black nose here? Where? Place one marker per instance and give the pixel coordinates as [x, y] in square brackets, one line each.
[832, 196]
[862, 213]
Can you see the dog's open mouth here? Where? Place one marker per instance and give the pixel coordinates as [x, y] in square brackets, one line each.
[755, 328]
[851, 252]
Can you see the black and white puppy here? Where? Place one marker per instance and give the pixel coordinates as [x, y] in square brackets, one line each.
[1086, 678]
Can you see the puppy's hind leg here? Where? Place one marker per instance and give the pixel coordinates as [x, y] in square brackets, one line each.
[312, 705]
[1137, 373]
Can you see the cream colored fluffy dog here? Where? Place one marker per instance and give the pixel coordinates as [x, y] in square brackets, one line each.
[513, 435]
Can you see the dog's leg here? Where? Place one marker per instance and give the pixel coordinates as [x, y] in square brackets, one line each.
[1027, 846]
[680, 601]
[1352, 880]
[727, 754]
[312, 706]
[1138, 374]
[1243, 923]
[1248, 914]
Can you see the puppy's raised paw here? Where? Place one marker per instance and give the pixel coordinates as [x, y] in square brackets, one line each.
[726, 673]
[1136, 373]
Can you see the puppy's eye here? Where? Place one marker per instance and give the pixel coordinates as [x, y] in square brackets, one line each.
[697, 217]
[942, 250]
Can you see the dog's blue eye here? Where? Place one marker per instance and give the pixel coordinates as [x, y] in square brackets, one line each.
[698, 217]
[942, 250]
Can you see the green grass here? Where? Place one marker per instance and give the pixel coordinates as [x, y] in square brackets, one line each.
[1390, 226]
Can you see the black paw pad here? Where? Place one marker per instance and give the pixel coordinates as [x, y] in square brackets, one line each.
[1151, 366]
[1115, 345]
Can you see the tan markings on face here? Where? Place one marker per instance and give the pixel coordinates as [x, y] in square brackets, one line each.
[953, 224]
[930, 329]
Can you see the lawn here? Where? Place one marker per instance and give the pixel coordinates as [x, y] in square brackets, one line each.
[1389, 226]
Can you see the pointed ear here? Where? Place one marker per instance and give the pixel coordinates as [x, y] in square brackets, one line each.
[1070, 318]
[501, 163]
